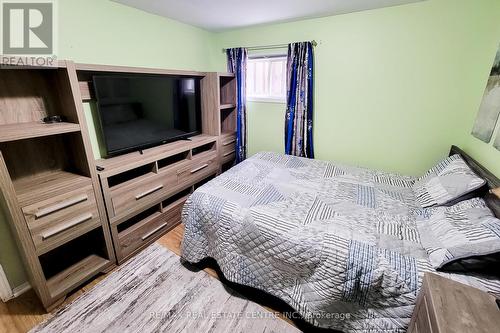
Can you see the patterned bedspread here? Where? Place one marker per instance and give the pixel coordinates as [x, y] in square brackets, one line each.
[338, 244]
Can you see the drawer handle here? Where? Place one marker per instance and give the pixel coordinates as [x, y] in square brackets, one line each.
[57, 230]
[229, 142]
[154, 231]
[62, 205]
[148, 192]
[199, 168]
[227, 154]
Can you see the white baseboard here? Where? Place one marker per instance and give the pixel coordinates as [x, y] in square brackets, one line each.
[6, 292]
[19, 290]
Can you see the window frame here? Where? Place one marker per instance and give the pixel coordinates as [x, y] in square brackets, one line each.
[269, 98]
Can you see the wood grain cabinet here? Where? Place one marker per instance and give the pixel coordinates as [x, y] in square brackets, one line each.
[220, 114]
[48, 182]
[144, 192]
[68, 218]
[446, 306]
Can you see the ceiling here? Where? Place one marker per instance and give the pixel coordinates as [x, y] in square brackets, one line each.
[219, 15]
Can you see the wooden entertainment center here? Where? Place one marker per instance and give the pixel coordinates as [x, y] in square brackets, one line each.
[72, 221]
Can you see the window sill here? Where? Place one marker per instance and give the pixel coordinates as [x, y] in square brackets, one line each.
[266, 100]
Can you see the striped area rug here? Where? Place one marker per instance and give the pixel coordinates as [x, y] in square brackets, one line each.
[154, 292]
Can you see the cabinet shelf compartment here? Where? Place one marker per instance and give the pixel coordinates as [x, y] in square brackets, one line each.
[173, 200]
[227, 84]
[29, 95]
[172, 161]
[144, 215]
[131, 175]
[208, 147]
[203, 182]
[47, 166]
[75, 262]
[228, 121]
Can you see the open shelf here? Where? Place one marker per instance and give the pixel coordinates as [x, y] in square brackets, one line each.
[73, 276]
[227, 86]
[74, 262]
[46, 166]
[228, 120]
[119, 164]
[20, 131]
[227, 106]
[39, 187]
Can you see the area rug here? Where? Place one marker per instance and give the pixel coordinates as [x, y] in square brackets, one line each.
[154, 292]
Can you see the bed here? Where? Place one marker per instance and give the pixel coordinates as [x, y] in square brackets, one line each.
[338, 244]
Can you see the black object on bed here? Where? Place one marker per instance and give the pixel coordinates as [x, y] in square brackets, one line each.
[492, 200]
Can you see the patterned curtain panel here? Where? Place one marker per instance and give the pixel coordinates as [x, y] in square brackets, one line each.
[237, 63]
[299, 111]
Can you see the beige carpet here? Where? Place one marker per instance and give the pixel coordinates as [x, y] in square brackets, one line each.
[154, 292]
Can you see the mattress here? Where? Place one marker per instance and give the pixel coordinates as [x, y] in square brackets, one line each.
[339, 244]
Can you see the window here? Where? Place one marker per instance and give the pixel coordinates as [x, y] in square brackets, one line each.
[266, 79]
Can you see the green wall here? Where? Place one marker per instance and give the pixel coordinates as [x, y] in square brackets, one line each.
[104, 32]
[394, 87]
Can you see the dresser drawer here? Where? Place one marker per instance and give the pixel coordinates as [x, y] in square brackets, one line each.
[228, 148]
[149, 229]
[141, 192]
[228, 141]
[200, 167]
[228, 156]
[57, 220]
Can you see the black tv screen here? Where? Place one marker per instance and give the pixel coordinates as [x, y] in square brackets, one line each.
[138, 112]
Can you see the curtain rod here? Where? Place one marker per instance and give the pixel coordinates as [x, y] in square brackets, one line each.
[269, 47]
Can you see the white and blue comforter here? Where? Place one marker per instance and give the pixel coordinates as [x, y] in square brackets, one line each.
[338, 244]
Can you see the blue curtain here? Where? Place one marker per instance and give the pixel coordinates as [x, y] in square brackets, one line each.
[299, 111]
[237, 64]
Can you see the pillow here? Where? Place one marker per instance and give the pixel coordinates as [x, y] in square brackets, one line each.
[466, 230]
[451, 179]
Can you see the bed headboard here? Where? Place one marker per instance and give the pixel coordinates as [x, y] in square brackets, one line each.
[493, 182]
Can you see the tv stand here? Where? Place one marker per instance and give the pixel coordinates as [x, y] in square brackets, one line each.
[144, 191]
[70, 213]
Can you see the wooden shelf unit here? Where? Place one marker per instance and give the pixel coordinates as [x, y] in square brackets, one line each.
[48, 180]
[219, 110]
[144, 192]
[69, 219]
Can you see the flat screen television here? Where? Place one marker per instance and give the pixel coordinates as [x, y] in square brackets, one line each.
[141, 111]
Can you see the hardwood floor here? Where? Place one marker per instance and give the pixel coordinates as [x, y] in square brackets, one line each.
[23, 313]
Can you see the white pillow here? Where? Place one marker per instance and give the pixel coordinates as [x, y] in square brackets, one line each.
[467, 229]
[451, 179]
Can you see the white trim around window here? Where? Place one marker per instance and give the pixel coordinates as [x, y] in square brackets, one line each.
[266, 78]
